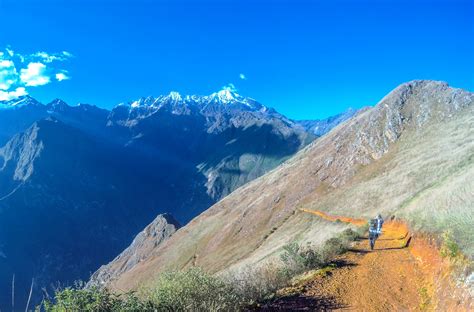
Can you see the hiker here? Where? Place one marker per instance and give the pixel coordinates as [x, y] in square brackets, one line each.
[373, 233]
[379, 220]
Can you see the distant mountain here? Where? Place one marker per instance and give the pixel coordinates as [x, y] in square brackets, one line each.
[228, 138]
[410, 156]
[88, 118]
[323, 126]
[17, 115]
[78, 182]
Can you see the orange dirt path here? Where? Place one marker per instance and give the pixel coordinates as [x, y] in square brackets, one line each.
[325, 216]
[386, 279]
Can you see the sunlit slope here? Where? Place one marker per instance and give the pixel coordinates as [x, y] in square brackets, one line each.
[427, 179]
[386, 159]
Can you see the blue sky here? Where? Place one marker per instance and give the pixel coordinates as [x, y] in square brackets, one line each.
[308, 59]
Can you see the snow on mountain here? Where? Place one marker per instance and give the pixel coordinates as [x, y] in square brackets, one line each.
[223, 97]
[19, 102]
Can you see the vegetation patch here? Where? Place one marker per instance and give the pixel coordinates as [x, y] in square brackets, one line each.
[77, 299]
[192, 290]
[449, 247]
[425, 299]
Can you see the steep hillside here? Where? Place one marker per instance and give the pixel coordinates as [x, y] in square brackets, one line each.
[386, 159]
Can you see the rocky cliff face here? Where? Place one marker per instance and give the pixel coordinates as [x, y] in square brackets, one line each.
[378, 161]
[19, 154]
[142, 247]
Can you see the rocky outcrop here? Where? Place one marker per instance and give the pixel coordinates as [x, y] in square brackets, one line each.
[20, 153]
[141, 249]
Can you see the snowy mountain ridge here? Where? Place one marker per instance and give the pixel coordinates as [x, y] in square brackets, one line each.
[19, 102]
[223, 97]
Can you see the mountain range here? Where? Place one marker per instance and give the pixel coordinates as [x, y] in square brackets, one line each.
[77, 183]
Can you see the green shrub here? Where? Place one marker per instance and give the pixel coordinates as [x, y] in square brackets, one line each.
[297, 259]
[332, 248]
[337, 246]
[192, 290]
[361, 230]
[425, 298]
[75, 299]
[350, 235]
[256, 284]
[292, 258]
[449, 247]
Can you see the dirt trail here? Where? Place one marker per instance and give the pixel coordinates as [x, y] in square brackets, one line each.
[389, 278]
[325, 216]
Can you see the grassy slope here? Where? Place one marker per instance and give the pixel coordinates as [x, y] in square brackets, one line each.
[426, 178]
[387, 159]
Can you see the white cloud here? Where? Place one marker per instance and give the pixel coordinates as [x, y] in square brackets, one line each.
[36, 69]
[67, 54]
[8, 74]
[10, 95]
[62, 76]
[34, 75]
[242, 76]
[45, 57]
[51, 57]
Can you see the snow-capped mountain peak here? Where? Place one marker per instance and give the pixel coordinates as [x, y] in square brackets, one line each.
[58, 104]
[136, 104]
[19, 102]
[175, 96]
[226, 96]
[223, 97]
